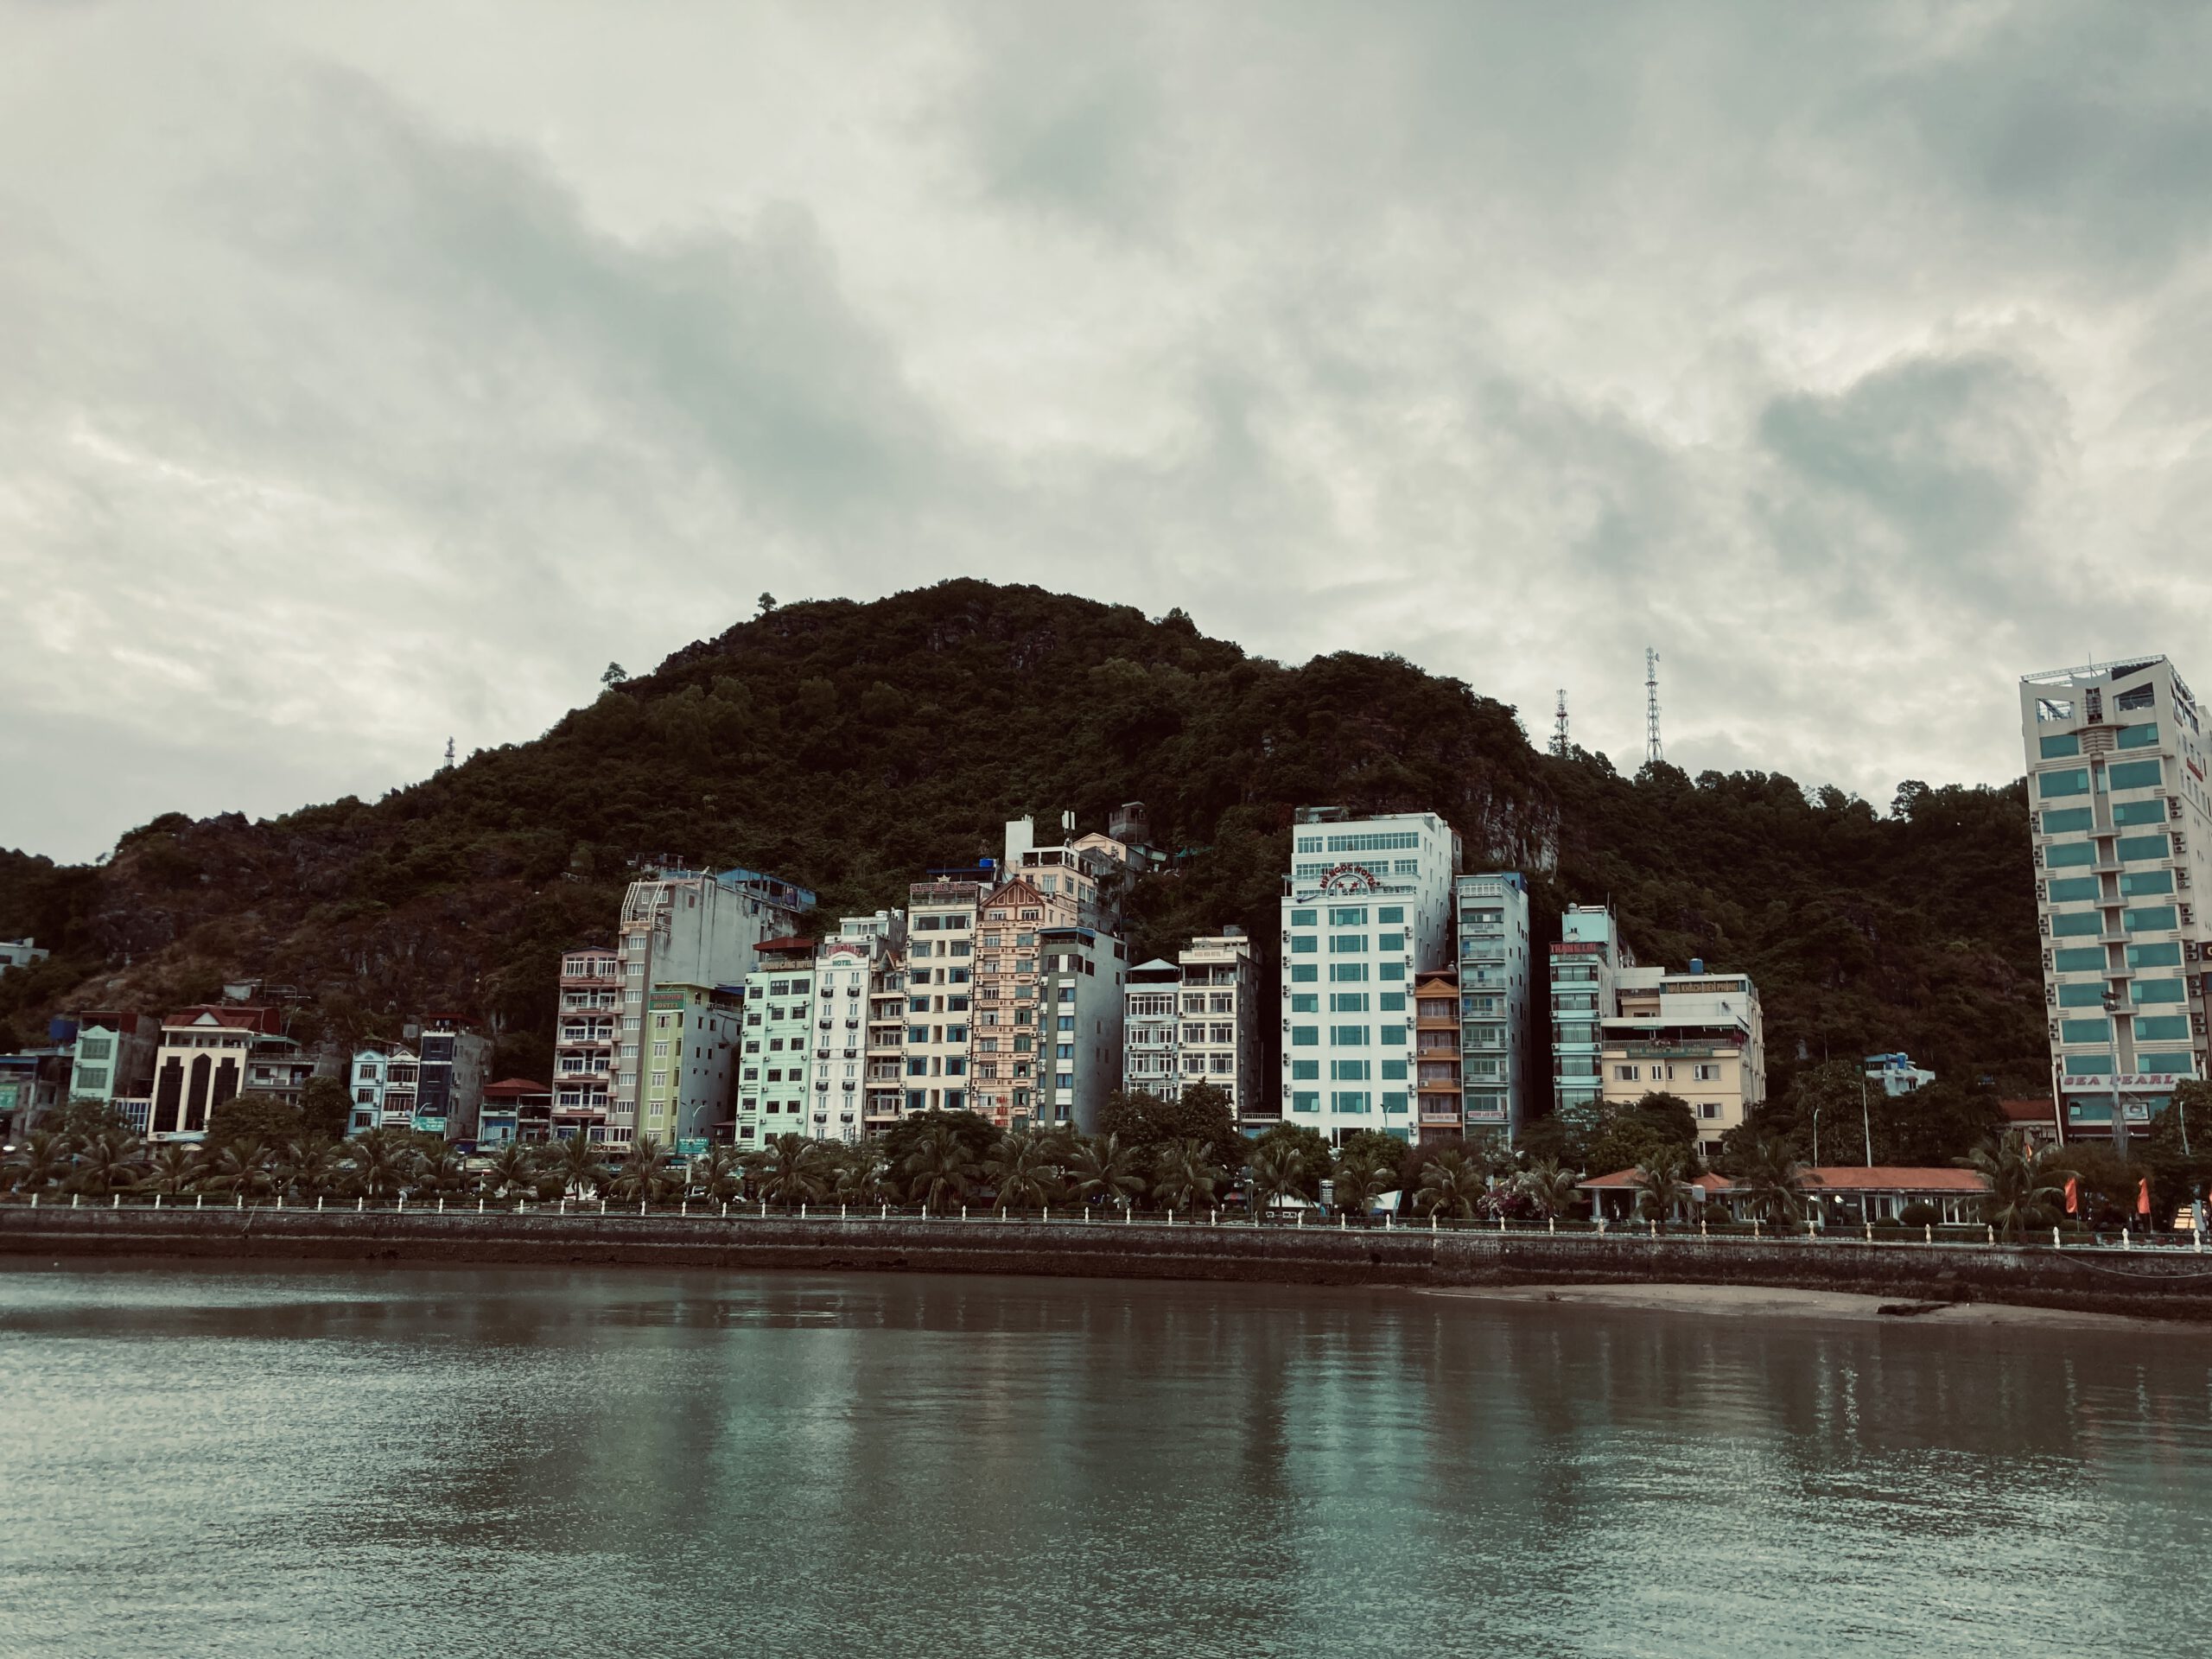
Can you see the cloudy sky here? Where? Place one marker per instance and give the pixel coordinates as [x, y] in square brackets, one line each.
[372, 373]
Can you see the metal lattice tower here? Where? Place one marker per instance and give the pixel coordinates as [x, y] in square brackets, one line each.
[1559, 727]
[1654, 752]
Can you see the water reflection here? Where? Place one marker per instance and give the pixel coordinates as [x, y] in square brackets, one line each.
[384, 1462]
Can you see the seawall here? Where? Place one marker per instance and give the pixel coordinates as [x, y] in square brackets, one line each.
[2165, 1283]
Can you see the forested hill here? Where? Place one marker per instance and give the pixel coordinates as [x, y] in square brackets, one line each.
[848, 746]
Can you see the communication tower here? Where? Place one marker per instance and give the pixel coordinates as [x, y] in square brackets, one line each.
[1559, 727]
[1653, 751]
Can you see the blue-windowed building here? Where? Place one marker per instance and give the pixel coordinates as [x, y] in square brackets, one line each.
[1367, 905]
[2122, 811]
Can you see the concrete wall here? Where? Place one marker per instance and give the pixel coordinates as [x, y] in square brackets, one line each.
[2166, 1284]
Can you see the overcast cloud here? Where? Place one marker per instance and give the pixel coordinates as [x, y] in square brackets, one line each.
[371, 373]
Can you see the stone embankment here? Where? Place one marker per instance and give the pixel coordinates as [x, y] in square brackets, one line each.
[2161, 1283]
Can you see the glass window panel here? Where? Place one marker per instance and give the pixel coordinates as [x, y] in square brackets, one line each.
[2066, 820]
[2164, 954]
[2125, 813]
[2134, 850]
[2071, 889]
[2078, 961]
[2139, 737]
[2136, 774]
[2073, 781]
[2066, 853]
[2060, 747]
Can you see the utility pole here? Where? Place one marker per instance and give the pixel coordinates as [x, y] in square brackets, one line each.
[1654, 752]
[1866, 1119]
[1559, 727]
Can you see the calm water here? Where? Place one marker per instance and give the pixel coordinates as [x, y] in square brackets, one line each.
[627, 1464]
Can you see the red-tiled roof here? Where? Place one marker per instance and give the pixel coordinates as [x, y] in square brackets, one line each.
[265, 1021]
[511, 1087]
[1623, 1180]
[787, 945]
[1892, 1178]
[1835, 1178]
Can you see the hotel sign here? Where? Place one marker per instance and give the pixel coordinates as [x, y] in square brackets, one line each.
[1351, 878]
[2125, 1082]
[1576, 948]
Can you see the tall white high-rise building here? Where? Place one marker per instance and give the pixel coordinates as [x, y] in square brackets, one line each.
[2117, 784]
[1366, 905]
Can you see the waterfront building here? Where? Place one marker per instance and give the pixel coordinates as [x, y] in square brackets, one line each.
[1587, 956]
[202, 1062]
[1370, 901]
[1082, 974]
[688, 1067]
[683, 928]
[1441, 1113]
[35, 1084]
[774, 1071]
[1151, 1018]
[1848, 1193]
[852, 969]
[1221, 984]
[451, 1060]
[1897, 1074]
[111, 1055]
[1698, 1036]
[514, 1109]
[1004, 1029]
[591, 991]
[20, 953]
[929, 1050]
[1497, 961]
[2117, 763]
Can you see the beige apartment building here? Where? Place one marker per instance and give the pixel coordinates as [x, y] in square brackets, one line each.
[1698, 1036]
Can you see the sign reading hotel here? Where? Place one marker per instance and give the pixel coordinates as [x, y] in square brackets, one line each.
[1351, 878]
[2127, 1081]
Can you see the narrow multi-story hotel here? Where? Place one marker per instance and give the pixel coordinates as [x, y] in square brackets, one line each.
[1496, 963]
[932, 1040]
[1436, 1054]
[1081, 978]
[773, 1069]
[1221, 982]
[1588, 956]
[1004, 1030]
[202, 1062]
[1151, 1016]
[1698, 1036]
[1366, 906]
[851, 967]
[2117, 784]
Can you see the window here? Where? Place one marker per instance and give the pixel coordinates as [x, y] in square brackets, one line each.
[2136, 849]
[2136, 774]
[2127, 813]
[1303, 973]
[1347, 916]
[1348, 1002]
[1304, 1002]
[1350, 973]
[1706, 1071]
[1310, 1071]
[2073, 781]
[1307, 1100]
[2076, 924]
[1303, 918]
[2141, 883]
[2139, 737]
[1348, 1036]
[2080, 961]
[1387, 914]
[2069, 820]
[2165, 955]
[2059, 747]
[1304, 1036]
[1353, 1100]
[2136, 696]
[1390, 970]
[1396, 840]
[1304, 944]
[2067, 854]
[2071, 889]
[1624, 1074]
[2085, 1031]
[2151, 919]
[1347, 944]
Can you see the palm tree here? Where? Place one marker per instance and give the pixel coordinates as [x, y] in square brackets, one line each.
[1105, 1169]
[241, 1169]
[174, 1168]
[44, 1160]
[1770, 1183]
[513, 1170]
[438, 1171]
[1359, 1182]
[790, 1170]
[1184, 1174]
[1547, 1186]
[939, 1167]
[645, 1175]
[860, 1174]
[109, 1163]
[1659, 1179]
[1275, 1173]
[312, 1169]
[1023, 1169]
[2018, 1192]
[1451, 1182]
[577, 1162]
[376, 1168]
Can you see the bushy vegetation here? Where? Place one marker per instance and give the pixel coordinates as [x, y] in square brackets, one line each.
[850, 746]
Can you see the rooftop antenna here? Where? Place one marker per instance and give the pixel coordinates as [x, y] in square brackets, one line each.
[449, 752]
[1559, 727]
[1654, 753]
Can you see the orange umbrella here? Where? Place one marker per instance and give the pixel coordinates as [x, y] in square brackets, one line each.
[2143, 1196]
[2073, 1196]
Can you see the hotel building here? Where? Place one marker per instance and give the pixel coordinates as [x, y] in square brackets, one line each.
[2117, 785]
[1698, 1036]
[1586, 960]
[1496, 963]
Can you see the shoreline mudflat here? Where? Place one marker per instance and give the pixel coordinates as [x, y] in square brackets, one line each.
[1790, 1302]
[2166, 1285]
